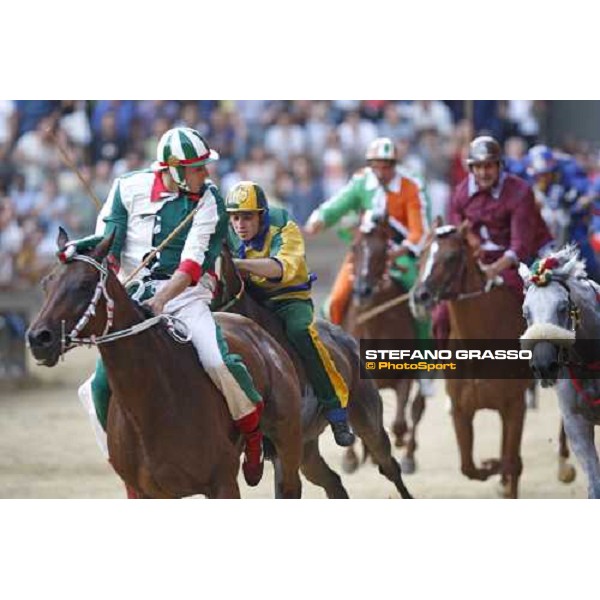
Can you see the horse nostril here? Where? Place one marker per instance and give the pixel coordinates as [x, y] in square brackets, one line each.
[41, 338]
[422, 295]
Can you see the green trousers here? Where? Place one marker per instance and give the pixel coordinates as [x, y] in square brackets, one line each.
[297, 317]
[405, 271]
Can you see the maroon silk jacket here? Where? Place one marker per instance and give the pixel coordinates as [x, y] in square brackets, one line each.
[505, 218]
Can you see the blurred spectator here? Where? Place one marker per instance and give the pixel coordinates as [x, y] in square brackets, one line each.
[305, 192]
[355, 134]
[394, 125]
[318, 126]
[432, 114]
[524, 115]
[36, 153]
[7, 118]
[11, 239]
[285, 139]
[75, 123]
[263, 168]
[123, 110]
[335, 171]
[108, 144]
[30, 112]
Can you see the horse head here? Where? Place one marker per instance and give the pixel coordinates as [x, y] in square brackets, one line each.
[446, 266]
[551, 308]
[69, 291]
[369, 256]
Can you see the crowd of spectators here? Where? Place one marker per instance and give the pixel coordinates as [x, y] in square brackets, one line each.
[301, 152]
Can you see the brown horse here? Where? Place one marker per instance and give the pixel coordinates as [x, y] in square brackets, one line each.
[169, 430]
[365, 410]
[450, 271]
[372, 288]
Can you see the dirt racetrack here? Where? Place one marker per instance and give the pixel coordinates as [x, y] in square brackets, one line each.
[48, 449]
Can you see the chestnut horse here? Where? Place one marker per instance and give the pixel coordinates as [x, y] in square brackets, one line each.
[449, 271]
[372, 288]
[365, 410]
[169, 430]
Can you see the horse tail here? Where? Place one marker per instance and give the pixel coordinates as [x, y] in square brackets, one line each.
[269, 449]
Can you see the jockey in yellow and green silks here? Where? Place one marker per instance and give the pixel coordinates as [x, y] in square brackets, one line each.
[270, 250]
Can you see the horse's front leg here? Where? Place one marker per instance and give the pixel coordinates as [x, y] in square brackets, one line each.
[463, 427]
[580, 433]
[513, 419]
[400, 427]
[566, 471]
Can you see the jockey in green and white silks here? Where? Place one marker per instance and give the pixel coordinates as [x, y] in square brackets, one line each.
[142, 209]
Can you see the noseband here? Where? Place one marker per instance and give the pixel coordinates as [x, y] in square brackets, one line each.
[68, 341]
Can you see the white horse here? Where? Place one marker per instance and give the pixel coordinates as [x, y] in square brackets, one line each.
[562, 309]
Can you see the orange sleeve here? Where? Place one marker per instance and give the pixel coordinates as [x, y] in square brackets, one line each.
[414, 211]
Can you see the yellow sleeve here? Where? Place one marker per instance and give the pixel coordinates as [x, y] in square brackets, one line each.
[288, 249]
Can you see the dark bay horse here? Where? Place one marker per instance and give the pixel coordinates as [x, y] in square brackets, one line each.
[449, 271]
[373, 288]
[169, 430]
[365, 410]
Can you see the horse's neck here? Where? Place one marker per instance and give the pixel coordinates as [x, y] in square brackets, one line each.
[586, 298]
[472, 280]
[149, 370]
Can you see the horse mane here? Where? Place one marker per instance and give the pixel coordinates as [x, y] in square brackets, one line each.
[570, 265]
[565, 265]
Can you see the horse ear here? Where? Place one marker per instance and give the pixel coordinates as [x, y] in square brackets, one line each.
[525, 274]
[102, 249]
[62, 239]
[438, 222]
[465, 227]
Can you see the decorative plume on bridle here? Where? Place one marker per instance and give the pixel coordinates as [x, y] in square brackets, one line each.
[562, 265]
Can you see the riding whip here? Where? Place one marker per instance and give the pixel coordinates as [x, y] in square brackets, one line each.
[373, 312]
[69, 163]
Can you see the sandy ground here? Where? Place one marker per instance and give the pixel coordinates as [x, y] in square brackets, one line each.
[48, 449]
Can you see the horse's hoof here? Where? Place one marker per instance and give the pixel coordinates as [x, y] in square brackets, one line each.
[491, 466]
[566, 473]
[408, 465]
[350, 461]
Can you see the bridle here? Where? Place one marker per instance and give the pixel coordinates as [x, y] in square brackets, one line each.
[488, 284]
[73, 338]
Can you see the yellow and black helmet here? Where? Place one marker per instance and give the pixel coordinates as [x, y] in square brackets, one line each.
[246, 196]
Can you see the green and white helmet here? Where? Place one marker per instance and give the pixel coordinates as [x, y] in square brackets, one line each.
[381, 149]
[182, 147]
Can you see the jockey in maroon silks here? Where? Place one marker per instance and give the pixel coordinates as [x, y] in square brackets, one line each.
[503, 216]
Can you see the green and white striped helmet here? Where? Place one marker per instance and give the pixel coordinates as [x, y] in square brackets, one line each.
[381, 149]
[182, 147]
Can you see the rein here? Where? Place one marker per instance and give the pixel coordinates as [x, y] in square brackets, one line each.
[72, 339]
[543, 278]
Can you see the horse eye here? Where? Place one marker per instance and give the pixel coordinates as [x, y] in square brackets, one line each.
[562, 308]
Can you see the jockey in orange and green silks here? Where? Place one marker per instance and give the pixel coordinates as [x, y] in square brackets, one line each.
[382, 187]
[270, 251]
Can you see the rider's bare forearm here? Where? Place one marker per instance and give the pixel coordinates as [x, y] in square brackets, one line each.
[263, 267]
